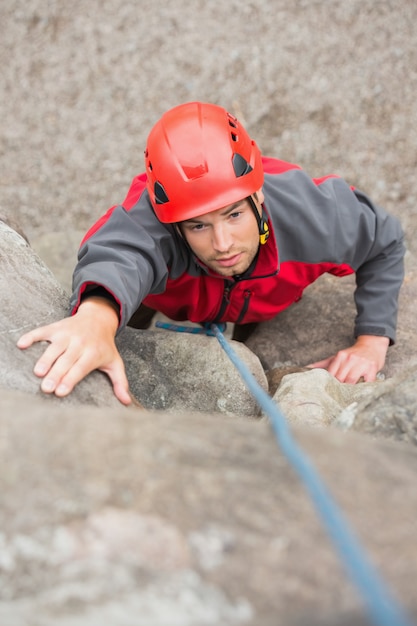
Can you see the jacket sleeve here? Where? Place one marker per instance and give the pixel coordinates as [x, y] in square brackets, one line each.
[380, 272]
[130, 254]
[327, 221]
[369, 240]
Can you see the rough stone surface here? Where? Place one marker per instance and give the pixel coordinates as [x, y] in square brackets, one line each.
[385, 409]
[59, 251]
[392, 411]
[316, 398]
[133, 517]
[165, 369]
[328, 85]
[77, 129]
[32, 297]
[169, 370]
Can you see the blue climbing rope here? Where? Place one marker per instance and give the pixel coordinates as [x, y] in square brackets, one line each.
[193, 330]
[382, 607]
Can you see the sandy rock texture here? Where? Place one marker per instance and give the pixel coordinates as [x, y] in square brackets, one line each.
[134, 518]
[328, 85]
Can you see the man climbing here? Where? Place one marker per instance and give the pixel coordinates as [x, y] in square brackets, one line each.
[214, 232]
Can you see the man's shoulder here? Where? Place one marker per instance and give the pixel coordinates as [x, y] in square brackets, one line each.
[136, 189]
[277, 166]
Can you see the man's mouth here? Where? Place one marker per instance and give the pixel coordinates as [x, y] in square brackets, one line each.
[229, 261]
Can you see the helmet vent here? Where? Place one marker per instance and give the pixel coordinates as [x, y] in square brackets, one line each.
[160, 194]
[233, 124]
[240, 165]
[149, 164]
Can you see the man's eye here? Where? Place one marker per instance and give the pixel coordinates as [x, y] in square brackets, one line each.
[197, 227]
[235, 214]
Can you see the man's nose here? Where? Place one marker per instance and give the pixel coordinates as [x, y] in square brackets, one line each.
[222, 238]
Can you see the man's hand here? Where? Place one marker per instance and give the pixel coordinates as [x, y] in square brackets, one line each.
[77, 346]
[362, 360]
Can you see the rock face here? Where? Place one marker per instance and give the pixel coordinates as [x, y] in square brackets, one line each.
[109, 513]
[392, 411]
[121, 516]
[385, 409]
[169, 370]
[165, 370]
[31, 297]
[110, 516]
[316, 398]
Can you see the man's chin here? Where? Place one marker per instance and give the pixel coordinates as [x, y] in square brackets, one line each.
[234, 270]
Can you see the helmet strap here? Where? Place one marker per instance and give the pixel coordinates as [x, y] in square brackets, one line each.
[261, 218]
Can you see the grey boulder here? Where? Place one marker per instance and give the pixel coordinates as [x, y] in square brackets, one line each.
[165, 370]
[131, 518]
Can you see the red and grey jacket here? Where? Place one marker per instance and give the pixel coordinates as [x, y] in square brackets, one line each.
[316, 226]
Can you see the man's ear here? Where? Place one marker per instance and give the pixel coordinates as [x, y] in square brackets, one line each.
[256, 200]
[179, 230]
[259, 195]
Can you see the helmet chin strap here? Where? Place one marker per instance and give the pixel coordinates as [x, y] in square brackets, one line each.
[260, 218]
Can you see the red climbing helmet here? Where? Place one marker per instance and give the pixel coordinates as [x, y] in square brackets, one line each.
[198, 159]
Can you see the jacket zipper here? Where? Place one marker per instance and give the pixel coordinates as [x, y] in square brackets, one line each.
[229, 285]
[247, 294]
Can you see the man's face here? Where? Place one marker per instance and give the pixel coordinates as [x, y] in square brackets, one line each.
[225, 240]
